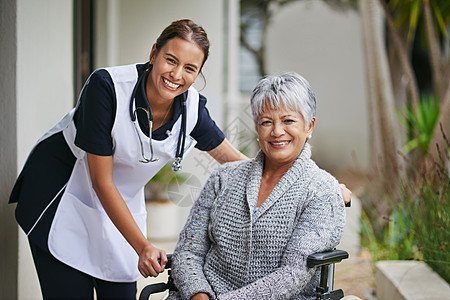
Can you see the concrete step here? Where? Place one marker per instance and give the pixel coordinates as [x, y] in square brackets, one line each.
[409, 280]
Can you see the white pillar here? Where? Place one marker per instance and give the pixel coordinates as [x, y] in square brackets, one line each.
[113, 31]
[233, 95]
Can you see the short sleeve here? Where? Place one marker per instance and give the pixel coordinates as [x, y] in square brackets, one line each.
[95, 115]
[206, 132]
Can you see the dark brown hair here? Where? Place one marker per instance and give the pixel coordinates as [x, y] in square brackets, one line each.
[187, 30]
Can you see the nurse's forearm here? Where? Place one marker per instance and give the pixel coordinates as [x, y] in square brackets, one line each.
[226, 152]
[100, 169]
[120, 215]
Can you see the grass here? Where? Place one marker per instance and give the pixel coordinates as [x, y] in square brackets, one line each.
[415, 221]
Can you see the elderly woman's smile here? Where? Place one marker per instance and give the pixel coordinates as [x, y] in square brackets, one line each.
[282, 134]
[279, 144]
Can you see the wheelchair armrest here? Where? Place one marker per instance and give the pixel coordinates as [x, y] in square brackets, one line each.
[325, 258]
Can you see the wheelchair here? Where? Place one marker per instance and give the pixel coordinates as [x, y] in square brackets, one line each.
[324, 260]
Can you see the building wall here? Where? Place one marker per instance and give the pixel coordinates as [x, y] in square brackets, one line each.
[325, 47]
[8, 150]
[138, 24]
[44, 68]
[44, 92]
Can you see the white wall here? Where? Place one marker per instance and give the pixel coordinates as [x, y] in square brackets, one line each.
[44, 68]
[44, 92]
[139, 23]
[8, 150]
[325, 46]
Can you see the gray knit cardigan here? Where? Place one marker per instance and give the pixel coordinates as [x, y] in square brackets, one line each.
[230, 251]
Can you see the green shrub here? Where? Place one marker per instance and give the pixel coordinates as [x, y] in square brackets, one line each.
[410, 217]
[397, 242]
[418, 225]
[432, 220]
[420, 123]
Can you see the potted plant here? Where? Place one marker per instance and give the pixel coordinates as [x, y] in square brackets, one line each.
[162, 213]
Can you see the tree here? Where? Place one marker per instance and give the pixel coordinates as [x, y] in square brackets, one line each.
[384, 129]
[434, 18]
[393, 30]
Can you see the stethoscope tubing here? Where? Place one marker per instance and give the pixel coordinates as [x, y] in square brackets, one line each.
[141, 83]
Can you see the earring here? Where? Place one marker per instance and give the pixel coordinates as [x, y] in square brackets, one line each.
[257, 139]
[149, 68]
[309, 136]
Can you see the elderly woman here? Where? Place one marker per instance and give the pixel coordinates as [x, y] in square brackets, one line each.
[256, 221]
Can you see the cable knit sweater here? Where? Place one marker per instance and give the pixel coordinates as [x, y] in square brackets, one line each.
[230, 251]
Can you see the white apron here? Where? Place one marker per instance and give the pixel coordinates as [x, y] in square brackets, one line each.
[82, 235]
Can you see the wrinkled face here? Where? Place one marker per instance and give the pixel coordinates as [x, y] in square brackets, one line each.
[175, 67]
[282, 134]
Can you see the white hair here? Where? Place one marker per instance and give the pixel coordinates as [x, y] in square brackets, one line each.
[288, 89]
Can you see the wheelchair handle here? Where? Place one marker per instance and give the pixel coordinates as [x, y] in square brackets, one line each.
[169, 261]
[158, 287]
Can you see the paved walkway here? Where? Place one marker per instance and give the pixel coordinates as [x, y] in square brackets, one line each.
[356, 274]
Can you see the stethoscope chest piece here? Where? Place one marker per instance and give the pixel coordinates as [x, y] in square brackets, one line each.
[176, 165]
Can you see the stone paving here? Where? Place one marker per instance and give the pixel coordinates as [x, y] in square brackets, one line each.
[355, 276]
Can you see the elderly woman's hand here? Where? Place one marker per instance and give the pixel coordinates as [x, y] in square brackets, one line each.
[346, 193]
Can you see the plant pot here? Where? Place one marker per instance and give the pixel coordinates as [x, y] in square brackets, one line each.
[162, 220]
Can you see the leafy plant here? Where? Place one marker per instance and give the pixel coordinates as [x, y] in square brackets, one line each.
[420, 123]
[397, 241]
[432, 219]
[158, 185]
[410, 12]
[419, 220]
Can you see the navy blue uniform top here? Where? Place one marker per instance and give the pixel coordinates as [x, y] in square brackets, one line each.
[49, 166]
[95, 117]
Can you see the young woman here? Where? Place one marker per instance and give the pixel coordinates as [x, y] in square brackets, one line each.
[80, 194]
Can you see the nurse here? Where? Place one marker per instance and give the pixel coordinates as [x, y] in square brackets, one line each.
[80, 197]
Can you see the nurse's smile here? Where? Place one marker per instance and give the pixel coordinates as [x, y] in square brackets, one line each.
[170, 85]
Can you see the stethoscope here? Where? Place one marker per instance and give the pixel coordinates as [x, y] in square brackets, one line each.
[176, 165]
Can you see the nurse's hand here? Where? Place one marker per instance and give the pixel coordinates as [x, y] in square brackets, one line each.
[346, 194]
[148, 261]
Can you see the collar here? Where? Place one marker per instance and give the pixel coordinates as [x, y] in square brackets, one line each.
[294, 174]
